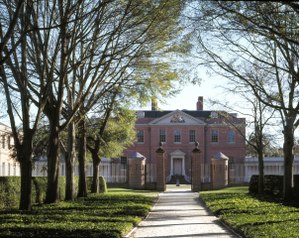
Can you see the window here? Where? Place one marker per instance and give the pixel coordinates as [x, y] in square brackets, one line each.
[162, 135]
[177, 136]
[140, 136]
[191, 136]
[231, 136]
[14, 169]
[3, 141]
[123, 160]
[3, 168]
[8, 169]
[214, 136]
[9, 142]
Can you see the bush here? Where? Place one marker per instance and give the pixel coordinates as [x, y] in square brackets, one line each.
[9, 192]
[296, 186]
[103, 185]
[253, 184]
[39, 189]
[273, 184]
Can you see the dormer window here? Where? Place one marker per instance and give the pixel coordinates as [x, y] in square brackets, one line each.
[214, 115]
[140, 114]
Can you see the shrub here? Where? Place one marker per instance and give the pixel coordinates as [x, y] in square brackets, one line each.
[296, 186]
[273, 184]
[253, 184]
[103, 185]
[39, 189]
[9, 192]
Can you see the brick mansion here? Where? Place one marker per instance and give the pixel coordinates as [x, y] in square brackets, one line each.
[220, 135]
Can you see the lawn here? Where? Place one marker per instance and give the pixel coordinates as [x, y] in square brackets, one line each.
[107, 215]
[251, 217]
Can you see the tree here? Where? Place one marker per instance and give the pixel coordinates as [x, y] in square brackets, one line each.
[108, 136]
[92, 47]
[258, 119]
[130, 66]
[10, 17]
[265, 37]
[18, 85]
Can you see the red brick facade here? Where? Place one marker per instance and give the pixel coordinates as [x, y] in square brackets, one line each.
[179, 126]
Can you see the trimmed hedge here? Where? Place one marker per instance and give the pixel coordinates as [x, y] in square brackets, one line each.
[10, 189]
[9, 192]
[296, 186]
[273, 184]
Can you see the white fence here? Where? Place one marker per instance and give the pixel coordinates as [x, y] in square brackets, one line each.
[272, 166]
[114, 171]
[9, 169]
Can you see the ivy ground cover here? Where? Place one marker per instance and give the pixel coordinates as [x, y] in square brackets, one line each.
[107, 215]
[251, 217]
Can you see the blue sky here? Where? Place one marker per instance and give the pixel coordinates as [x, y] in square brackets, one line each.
[187, 98]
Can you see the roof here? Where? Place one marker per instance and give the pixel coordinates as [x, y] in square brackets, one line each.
[220, 156]
[209, 117]
[157, 114]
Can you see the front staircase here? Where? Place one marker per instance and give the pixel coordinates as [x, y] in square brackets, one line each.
[180, 178]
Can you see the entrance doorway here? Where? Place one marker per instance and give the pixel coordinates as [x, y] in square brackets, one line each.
[177, 166]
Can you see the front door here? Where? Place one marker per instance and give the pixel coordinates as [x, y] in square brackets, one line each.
[177, 166]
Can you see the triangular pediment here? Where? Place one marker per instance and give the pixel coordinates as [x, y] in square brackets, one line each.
[177, 153]
[177, 118]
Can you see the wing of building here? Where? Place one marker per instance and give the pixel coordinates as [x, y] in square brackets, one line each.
[8, 165]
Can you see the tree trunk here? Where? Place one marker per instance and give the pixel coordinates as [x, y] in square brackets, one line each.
[95, 178]
[70, 159]
[261, 173]
[53, 163]
[288, 162]
[82, 187]
[26, 174]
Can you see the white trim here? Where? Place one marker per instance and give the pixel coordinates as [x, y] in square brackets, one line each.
[195, 120]
[178, 154]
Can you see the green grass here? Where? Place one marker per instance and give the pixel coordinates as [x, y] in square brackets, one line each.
[251, 217]
[107, 215]
[151, 193]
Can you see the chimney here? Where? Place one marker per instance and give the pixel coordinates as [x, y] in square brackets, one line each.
[154, 104]
[199, 104]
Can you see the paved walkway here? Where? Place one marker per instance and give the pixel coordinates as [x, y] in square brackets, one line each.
[180, 214]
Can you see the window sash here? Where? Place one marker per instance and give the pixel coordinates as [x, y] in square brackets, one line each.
[215, 136]
[140, 136]
[162, 135]
[177, 136]
[231, 136]
[192, 136]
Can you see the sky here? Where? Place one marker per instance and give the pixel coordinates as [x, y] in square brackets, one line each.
[210, 88]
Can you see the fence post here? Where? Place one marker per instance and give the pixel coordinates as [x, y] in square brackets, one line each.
[136, 171]
[196, 169]
[161, 183]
